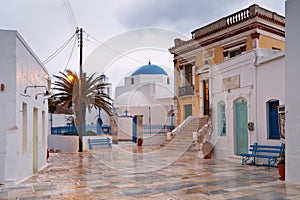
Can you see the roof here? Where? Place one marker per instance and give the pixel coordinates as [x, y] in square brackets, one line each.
[149, 69]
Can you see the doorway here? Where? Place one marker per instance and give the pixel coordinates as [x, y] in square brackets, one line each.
[35, 141]
[241, 127]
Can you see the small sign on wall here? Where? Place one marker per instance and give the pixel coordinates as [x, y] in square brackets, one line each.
[231, 83]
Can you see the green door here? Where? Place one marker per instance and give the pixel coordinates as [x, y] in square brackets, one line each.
[188, 110]
[241, 128]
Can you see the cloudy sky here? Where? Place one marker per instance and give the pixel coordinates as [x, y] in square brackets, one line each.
[47, 24]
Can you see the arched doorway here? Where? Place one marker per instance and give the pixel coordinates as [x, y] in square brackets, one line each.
[241, 126]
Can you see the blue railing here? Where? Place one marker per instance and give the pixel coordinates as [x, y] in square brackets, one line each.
[72, 130]
[64, 130]
[156, 128]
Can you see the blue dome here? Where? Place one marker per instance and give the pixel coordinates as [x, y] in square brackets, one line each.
[149, 69]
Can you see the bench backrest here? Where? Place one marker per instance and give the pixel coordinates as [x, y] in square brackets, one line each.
[256, 148]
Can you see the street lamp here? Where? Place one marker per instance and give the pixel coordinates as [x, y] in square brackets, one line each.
[36, 86]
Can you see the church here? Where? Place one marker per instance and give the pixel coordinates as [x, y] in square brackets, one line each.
[148, 91]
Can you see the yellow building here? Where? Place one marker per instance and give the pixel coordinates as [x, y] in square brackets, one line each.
[253, 27]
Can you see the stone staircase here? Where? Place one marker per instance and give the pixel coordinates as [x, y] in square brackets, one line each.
[183, 134]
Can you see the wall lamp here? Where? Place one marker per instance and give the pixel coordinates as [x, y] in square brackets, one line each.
[37, 86]
[41, 93]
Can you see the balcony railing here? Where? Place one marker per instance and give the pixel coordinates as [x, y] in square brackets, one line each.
[186, 90]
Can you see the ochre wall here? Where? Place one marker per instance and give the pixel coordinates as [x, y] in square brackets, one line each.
[268, 42]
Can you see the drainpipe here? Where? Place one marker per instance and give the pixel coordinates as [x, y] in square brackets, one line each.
[255, 94]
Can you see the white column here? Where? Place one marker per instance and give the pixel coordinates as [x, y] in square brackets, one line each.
[292, 91]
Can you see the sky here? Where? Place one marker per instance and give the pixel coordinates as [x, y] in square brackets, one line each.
[47, 24]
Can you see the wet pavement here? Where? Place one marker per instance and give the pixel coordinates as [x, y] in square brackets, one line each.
[149, 173]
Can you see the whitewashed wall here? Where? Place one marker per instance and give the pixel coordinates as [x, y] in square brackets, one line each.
[270, 85]
[292, 91]
[63, 143]
[255, 70]
[125, 128]
[241, 65]
[19, 67]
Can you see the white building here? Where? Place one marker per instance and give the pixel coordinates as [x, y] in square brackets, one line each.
[292, 92]
[23, 108]
[148, 92]
[245, 91]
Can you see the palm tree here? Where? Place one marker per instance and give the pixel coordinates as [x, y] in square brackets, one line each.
[67, 87]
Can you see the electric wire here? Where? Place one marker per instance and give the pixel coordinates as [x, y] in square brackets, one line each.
[59, 50]
[113, 50]
[69, 14]
[71, 54]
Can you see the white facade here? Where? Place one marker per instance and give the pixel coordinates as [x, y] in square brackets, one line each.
[150, 95]
[292, 87]
[248, 82]
[24, 126]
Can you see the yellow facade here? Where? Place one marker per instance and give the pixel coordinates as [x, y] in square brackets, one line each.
[269, 43]
[212, 46]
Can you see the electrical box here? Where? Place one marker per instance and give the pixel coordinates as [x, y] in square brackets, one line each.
[250, 126]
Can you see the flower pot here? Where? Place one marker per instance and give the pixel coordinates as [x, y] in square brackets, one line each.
[281, 171]
[207, 149]
[140, 142]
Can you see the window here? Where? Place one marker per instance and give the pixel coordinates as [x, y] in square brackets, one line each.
[222, 119]
[188, 75]
[132, 81]
[168, 80]
[206, 97]
[24, 128]
[234, 53]
[272, 117]
[188, 110]
[43, 129]
[275, 48]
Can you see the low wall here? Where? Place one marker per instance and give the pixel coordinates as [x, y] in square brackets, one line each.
[69, 144]
[154, 139]
[65, 144]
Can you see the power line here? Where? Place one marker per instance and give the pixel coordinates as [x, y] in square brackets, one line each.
[113, 50]
[69, 14]
[62, 47]
[72, 51]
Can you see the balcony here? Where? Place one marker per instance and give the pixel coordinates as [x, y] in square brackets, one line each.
[186, 90]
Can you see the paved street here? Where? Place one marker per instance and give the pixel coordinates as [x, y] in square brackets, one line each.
[145, 174]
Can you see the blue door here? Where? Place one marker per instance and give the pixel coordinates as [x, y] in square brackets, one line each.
[273, 120]
[134, 129]
[241, 127]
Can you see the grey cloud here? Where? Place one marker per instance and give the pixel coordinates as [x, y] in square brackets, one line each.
[181, 15]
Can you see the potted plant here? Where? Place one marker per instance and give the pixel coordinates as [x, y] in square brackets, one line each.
[281, 167]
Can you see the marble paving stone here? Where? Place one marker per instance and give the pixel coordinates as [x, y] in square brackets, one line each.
[126, 172]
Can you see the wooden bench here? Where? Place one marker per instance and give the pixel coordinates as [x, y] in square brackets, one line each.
[99, 142]
[272, 153]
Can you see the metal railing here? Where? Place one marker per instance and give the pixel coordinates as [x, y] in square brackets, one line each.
[72, 130]
[186, 90]
[156, 128]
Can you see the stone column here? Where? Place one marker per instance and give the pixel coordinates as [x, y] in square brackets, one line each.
[255, 39]
[114, 128]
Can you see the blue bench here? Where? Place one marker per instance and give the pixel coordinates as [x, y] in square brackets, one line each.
[99, 142]
[271, 153]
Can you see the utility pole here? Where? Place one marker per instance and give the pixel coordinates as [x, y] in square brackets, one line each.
[80, 109]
